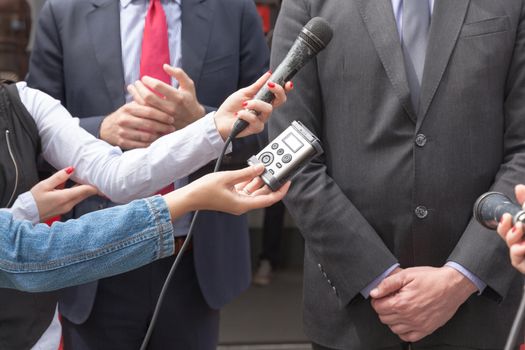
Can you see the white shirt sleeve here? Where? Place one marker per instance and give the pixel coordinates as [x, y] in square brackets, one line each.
[121, 176]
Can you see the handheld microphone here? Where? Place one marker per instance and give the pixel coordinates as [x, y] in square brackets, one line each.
[490, 207]
[312, 39]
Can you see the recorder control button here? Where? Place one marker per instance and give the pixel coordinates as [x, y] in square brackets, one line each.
[271, 172]
[266, 158]
[287, 158]
[275, 146]
[280, 151]
[279, 165]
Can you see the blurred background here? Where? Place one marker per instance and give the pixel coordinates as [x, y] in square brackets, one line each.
[268, 315]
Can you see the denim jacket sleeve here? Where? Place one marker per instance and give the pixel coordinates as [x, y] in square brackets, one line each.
[103, 243]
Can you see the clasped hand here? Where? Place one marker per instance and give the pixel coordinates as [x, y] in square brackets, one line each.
[416, 301]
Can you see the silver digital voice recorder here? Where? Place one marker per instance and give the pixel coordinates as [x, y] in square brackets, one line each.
[287, 154]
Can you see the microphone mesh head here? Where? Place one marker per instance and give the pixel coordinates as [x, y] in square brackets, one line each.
[321, 30]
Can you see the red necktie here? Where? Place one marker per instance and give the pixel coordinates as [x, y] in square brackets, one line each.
[155, 50]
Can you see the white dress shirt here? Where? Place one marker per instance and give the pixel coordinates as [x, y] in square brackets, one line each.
[121, 176]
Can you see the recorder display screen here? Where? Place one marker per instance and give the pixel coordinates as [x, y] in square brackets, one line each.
[293, 142]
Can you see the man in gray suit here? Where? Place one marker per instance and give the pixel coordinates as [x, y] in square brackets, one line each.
[85, 53]
[419, 105]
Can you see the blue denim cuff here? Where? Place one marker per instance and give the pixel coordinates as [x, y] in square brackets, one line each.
[160, 211]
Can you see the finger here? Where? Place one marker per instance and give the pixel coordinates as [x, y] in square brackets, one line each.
[388, 286]
[244, 175]
[135, 135]
[56, 179]
[255, 125]
[265, 200]
[505, 225]
[146, 89]
[401, 328]
[184, 80]
[262, 108]
[255, 87]
[411, 336]
[515, 235]
[278, 92]
[135, 95]
[520, 193]
[261, 191]
[77, 194]
[391, 319]
[385, 306]
[126, 144]
[253, 185]
[149, 126]
[517, 253]
[150, 113]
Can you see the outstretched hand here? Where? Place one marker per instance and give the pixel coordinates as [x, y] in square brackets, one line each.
[52, 201]
[234, 192]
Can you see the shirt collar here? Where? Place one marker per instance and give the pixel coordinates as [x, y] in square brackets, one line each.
[125, 3]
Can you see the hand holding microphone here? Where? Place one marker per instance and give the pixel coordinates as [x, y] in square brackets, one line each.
[312, 39]
[497, 212]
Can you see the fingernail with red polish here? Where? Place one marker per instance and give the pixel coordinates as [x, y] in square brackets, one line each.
[244, 104]
[291, 84]
[270, 84]
[69, 170]
[513, 229]
[270, 71]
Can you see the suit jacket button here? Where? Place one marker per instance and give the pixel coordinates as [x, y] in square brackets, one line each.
[421, 140]
[320, 267]
[421, 212]
[335, 290]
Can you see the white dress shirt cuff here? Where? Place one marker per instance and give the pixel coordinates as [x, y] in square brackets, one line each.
[25, 208]
[213, 134]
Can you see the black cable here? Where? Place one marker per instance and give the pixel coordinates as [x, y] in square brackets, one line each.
[181, 253]
[516, 325]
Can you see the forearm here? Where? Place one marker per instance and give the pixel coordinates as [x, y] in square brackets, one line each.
[97, 245]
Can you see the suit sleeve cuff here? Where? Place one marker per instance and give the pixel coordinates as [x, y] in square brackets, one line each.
[480, 285]
[366, 291]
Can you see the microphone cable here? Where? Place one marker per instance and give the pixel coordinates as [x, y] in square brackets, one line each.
[179, 256]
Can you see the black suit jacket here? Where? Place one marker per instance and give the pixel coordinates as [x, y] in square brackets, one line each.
[77, 59]
[398, 185]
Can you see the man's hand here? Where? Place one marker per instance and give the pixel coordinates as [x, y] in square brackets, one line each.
[180, 103]
[52, 201]
[135, 126]
[417, 301]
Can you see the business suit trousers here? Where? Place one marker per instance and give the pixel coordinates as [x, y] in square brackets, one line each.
[406, 346]
[124, 306]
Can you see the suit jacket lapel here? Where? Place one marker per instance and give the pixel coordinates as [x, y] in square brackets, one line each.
[447, 20]
[380, 22]
[196, 29]
[104, 31]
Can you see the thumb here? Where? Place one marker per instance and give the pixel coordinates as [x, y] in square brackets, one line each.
[185, 82]
[57, 178]
[388, 286]
[245, 174]
[251, 90]
[520, 194]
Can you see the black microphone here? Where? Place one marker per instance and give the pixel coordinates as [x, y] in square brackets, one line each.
[490, 207]
[312, 39]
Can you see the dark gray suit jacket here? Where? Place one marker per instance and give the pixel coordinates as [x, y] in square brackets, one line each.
[77, 59]
[356, 205]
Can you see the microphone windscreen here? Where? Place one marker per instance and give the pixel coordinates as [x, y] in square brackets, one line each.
[318, 33]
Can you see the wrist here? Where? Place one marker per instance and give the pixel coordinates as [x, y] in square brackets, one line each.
[179, 202]
[460, 282]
